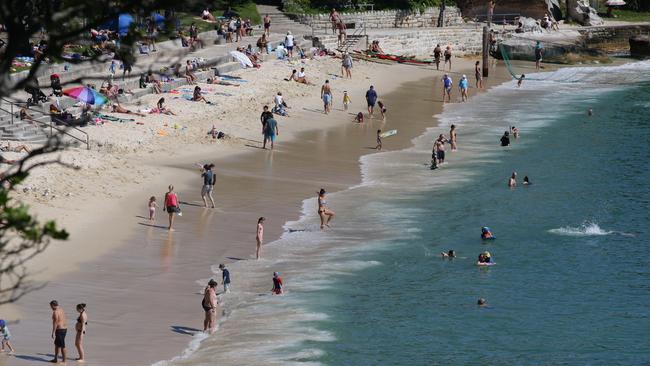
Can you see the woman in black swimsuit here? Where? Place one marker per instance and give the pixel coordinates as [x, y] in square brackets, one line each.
[80, 327]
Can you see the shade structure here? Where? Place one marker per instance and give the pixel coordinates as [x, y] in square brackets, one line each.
[86, 95]
[615, 3]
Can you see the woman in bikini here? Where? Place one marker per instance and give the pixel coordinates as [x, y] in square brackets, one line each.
[209, 304]
[80, 327]
[325, 213]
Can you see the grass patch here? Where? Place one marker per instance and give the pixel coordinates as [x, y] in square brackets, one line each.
[626, 15]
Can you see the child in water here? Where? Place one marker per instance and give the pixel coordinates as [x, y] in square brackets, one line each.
[521, 80]
[378, 147]
[359, 117]
[152, 208]
[449, 255]
[486, 233]
[346, 100]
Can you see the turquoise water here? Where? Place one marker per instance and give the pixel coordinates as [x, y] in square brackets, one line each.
[572, 280]
[571, 284]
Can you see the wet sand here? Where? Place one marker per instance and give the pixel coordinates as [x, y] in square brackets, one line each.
[144, 296]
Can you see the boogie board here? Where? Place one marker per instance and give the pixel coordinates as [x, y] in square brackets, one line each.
[388, 133]
[490, 238]
[485, 264]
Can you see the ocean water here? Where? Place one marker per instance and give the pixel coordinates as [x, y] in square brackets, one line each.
[571, 284]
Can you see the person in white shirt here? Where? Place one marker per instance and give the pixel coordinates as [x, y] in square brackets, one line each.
[288, 43]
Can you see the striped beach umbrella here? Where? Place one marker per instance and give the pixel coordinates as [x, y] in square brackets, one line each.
[86, 95]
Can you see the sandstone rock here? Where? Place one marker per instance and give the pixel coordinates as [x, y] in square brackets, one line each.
[581, 12]
[640, 46]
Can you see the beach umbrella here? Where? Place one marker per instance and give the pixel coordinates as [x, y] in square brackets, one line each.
[123, 23]
[86, 95]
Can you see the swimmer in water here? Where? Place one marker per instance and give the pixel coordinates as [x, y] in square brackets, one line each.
[449, 255]
[512, 181]
[481, 302]
[486, 233]
[521, 80]
[526, 181]
[590, 112]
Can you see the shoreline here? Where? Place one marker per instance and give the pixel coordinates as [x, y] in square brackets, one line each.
[90, 265]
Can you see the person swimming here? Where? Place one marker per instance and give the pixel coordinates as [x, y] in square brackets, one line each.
[527, 181]
[486, 233]
[451, 254]
[481, 302]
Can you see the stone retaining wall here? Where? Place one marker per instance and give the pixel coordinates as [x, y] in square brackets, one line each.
[384, 19]
[464, 41]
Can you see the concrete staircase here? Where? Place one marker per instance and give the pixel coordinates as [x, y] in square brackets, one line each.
[281, 23]
[24, 131]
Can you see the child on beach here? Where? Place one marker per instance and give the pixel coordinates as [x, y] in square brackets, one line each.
[359, 117]
[277, 284]
[346, 100]
[382, 109]
[259, 237]
[6, 336]
[378, 147]
[225, 275]
[520, 80]
[152, 208]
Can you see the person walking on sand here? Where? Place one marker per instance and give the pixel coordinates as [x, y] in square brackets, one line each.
[270, 132]
[463, 85]
[437, 52]
[209, 304]
[152, 208]
[6, 337]
[171, 206]
[326, 95]
[346, 65]
[324, 212]
[277, 284]
[80, 327]
[453, 138]
[59, 330]
[267, 25]
[371, 98]
[479, 75]
[378, 147]
[209, 179]
[447, 83]
[225, 276]
[447, 57]
[259, 237]
[288, 43]
[346, 100]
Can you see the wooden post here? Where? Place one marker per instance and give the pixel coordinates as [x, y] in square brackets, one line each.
[486, 50]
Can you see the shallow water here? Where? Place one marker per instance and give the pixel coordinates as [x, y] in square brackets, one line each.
[571, 280]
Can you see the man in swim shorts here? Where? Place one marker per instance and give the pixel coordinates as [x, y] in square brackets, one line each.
[271, 132]
[59, 331]
[371, 98]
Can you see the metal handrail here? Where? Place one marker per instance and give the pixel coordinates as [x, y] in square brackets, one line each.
[50, 124]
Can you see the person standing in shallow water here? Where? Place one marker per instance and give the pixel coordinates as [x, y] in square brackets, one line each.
[324, 212]
[452, 138]
[277, 284]
[59, 331]
[171, 205]
[259, 237]
[209, 179]
[479, 75]
[209, 305]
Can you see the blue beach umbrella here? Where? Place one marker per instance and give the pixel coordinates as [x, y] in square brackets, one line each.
[124, 21]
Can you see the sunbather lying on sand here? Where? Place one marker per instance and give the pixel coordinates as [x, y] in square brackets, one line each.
[119, 109]
[217, 81]
[19, 148]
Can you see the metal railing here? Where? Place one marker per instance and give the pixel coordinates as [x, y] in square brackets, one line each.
[85, 139]
[352, 39]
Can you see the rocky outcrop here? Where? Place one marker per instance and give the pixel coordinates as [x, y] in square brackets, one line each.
[640, 46]
[581, 12]
[529, 8]
[524, 49]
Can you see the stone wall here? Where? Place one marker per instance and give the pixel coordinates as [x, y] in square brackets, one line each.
[384, 19]
[464, 41]
[612, 39]
[528, 8]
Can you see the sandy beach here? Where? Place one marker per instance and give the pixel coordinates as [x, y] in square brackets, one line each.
[142, 284]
